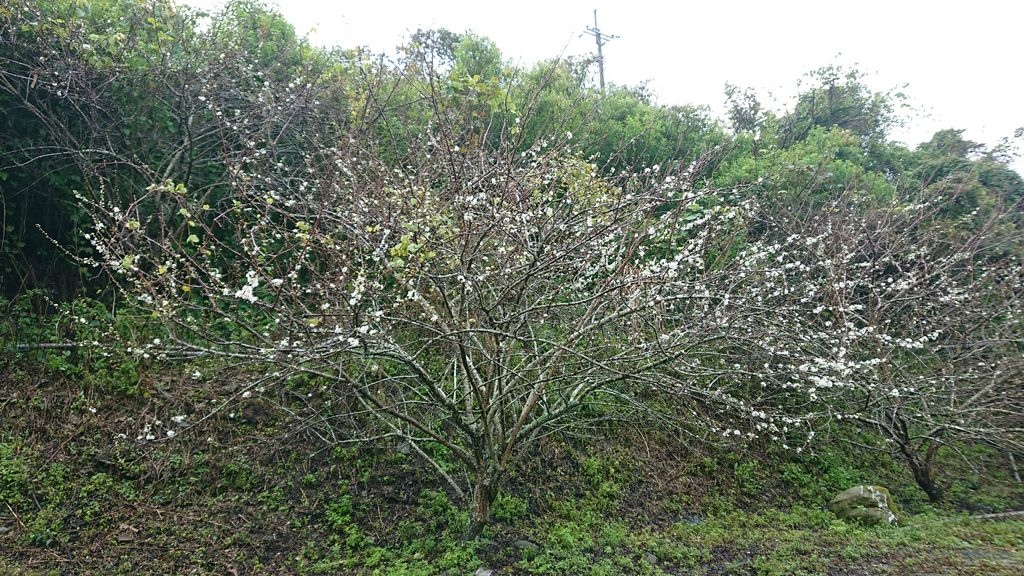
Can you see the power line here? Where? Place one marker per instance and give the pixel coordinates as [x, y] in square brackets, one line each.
[601, 40]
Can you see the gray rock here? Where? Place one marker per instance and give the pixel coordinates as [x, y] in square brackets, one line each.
[868, 505]
[525, 545]
[973, 554]
[483, 572]
[650, 558]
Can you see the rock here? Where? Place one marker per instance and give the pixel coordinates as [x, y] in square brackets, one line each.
[126, 533]
[650, 558]
[868, 505]
[525, 549]
[525, 545]
[973, 554]
[483, 572]
[403, 447]
[691, 520]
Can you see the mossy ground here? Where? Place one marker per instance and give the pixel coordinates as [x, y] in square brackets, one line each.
[253, 490]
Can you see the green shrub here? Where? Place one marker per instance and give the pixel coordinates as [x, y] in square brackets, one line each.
[46, 528]
[14, 484]
[748, 477]
[508, 508]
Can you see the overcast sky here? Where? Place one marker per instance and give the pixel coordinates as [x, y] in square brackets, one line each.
[963, 62]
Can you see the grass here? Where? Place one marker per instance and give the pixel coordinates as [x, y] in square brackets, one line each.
[249, 491]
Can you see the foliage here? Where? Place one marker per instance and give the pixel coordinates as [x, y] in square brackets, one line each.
[132, 92]
[840, 98]
[460, 259]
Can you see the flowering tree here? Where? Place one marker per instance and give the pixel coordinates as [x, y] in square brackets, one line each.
[385, 229]
[905, 321]
[469, 297]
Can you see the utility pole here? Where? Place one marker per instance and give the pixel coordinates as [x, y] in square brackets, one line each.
[601, 40]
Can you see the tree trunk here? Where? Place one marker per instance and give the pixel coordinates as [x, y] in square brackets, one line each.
[480, 515]
[922, 467]
[924, 475]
